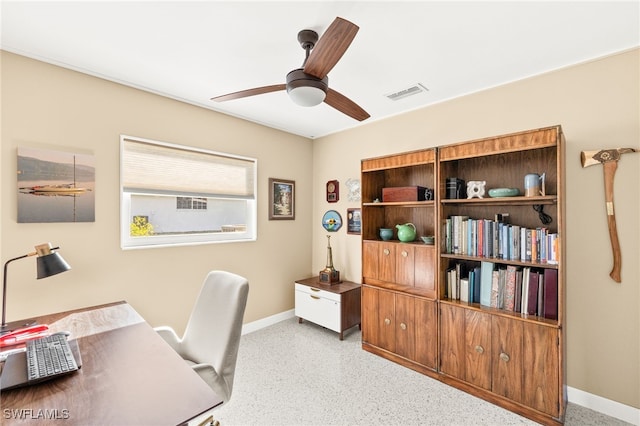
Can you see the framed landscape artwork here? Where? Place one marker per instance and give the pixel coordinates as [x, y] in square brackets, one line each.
[282, 199]
[55, 186]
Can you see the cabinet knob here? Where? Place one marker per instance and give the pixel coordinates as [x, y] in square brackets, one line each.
[386, 252]
[314, 297]
[504, 357]
[479, 349]
[404, 253]
[403, 326]
[387, 321]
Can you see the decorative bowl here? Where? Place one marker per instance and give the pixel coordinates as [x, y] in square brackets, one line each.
[503, 192]
[386, 233]
[428, 239]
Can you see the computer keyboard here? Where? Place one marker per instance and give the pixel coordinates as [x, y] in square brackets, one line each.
[48, 357]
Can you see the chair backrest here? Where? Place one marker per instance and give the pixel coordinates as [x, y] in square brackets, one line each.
[212, 335]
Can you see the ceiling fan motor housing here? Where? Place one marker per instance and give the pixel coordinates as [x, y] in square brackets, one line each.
[305, 89]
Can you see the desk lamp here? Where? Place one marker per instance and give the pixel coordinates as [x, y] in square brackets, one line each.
[49, 263]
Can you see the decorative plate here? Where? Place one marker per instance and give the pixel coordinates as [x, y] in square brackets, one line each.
[504, 192]
[332, 221]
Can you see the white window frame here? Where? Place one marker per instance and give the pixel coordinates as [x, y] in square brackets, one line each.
[128, 242]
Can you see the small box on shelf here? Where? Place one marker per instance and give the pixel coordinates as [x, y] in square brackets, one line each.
[404, 193]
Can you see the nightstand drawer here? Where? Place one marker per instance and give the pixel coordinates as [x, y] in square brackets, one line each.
[312, 306]
[318, 292]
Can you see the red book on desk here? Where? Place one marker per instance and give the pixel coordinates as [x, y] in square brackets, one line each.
[551, 293]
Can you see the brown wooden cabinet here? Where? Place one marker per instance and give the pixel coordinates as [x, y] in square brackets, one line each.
[399, 313]
[399, 325]
[395, 265]
[514, 359]
[491, 349]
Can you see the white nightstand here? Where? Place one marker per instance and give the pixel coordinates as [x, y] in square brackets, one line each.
[336, 307]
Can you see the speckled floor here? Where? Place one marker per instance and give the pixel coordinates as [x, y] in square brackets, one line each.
[302, 374]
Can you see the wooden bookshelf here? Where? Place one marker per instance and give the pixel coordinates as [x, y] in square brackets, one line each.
[513, 359]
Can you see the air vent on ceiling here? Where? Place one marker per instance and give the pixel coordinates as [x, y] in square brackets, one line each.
[409, 91]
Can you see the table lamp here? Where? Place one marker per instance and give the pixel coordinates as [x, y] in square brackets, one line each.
[49, 263]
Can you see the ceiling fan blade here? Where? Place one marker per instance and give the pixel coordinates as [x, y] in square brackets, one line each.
[250, 92]
[345, 105]
[330, 47]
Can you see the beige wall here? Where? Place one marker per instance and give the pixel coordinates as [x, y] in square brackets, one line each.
[597, 105]
[54, 108]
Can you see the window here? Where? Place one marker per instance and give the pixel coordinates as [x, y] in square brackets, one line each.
[174, 195]
[191, 203]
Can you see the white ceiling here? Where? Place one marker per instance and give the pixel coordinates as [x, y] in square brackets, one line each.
[193, 51]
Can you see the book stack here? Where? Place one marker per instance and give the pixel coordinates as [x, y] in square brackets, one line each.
[530, 291]
[499, 240]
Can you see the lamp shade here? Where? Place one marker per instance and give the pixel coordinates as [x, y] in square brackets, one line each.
[51, 264]
[306, 90]
[307, 96]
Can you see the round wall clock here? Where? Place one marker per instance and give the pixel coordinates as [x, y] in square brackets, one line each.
[332, 221]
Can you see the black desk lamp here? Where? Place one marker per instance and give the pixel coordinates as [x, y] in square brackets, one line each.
[49, 263]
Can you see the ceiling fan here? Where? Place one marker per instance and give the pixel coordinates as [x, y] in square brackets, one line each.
[309, 85]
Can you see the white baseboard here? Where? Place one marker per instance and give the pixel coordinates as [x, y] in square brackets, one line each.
[605, 406]
[575, 396]
[266, 322]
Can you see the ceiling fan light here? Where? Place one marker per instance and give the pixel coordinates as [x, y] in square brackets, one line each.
[307, 95]
[306, 90]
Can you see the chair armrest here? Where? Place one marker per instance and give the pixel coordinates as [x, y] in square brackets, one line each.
[169, 336]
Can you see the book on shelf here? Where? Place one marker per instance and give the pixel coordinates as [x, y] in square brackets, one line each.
[486, 278]
[518, 296]
[464, 289]
[495, 288]
[476, 284]
[499, 240]
[510, 288]
[532, 299]
[540, 307]
[550, 306]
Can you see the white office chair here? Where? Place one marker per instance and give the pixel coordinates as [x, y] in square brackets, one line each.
[212, 337]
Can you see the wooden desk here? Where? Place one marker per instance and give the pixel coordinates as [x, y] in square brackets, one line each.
[129, 376]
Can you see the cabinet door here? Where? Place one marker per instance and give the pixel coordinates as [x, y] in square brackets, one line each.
[405, 265]
[425, 266]
[426, 332]
[506, 352]
[387, 262]
[478, 348]
[387, 321]
[452, 340]
[405, 326]
[370, 320]
[370, 261]
[542, 381]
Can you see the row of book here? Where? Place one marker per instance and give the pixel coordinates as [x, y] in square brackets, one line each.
[499, 240]
[532, 291]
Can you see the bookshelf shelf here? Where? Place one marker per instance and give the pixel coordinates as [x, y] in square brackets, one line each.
[383, 204]
[505, 201]
[493, 311]
[499, 261]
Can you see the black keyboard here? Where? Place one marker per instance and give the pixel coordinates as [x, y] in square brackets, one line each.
[48, 357]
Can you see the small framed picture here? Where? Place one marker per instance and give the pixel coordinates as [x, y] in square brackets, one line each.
[354, 221]
[282, 199]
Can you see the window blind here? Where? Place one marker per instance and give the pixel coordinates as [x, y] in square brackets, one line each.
[169, 169]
